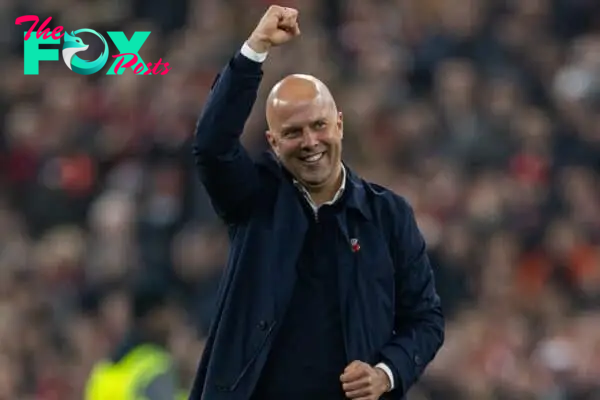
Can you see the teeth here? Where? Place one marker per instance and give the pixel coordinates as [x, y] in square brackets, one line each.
[314, 158]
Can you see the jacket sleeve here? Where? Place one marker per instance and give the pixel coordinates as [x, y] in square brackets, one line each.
[224, 166]
[419, 322]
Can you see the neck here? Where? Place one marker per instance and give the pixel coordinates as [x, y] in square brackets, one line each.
[328, 191]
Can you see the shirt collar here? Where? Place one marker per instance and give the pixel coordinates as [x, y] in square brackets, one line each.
[337, 196]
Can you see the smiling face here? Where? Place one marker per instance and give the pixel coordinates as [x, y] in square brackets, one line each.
[305, 131]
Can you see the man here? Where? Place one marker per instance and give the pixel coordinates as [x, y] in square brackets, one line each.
[141, 367]
[328, 293]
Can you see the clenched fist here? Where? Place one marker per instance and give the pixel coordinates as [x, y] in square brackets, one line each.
[279, 25]
[361, 381]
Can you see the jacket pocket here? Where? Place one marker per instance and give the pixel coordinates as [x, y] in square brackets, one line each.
[251, 361]
[377, 264]
[377, 276]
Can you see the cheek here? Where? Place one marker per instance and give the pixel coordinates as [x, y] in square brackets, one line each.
[333, 136]
[333, 142]
[285, 150]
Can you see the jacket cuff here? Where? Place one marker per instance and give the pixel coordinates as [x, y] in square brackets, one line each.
[248, 52]
[388, 372]
[246, 65]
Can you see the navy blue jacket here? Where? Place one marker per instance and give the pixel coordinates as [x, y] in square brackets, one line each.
[390, 309]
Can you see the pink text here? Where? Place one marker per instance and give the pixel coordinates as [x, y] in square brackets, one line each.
[155, 71]
[55, 34]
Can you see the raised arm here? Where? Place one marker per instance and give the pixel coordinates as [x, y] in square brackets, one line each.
[224, 166]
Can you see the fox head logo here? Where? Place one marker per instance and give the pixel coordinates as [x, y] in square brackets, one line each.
[73, 44]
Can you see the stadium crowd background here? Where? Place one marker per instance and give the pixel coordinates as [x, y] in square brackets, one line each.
[484, 114]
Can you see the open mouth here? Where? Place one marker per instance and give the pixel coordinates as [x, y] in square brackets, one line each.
[313, 158]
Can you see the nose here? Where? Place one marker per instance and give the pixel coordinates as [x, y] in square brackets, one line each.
[309, 138]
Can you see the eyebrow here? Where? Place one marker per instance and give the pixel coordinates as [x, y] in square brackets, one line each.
[295, 126]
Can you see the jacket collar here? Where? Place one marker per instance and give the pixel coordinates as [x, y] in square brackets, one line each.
[353, 184]
[357, 198]
[337, 197]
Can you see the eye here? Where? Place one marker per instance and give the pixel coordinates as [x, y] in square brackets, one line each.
[292, 133]
[319, 124]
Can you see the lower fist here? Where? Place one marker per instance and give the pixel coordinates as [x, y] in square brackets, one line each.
[361, 381]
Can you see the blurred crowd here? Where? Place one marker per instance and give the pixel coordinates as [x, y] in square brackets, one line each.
[484, 114]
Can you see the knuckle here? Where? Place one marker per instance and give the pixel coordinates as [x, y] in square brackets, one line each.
[274, 10]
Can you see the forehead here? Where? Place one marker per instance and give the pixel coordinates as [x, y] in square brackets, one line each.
[300, 113]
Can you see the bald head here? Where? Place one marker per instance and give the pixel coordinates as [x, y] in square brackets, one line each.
[296, 91]
[306, 131]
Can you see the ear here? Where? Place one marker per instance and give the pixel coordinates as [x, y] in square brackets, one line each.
[272, 141]
[340, 124]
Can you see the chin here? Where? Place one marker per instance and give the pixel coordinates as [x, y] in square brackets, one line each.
[314, 180]
[314, 176]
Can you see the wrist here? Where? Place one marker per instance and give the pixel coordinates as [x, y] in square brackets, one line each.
[386, 385]
[258, 45]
